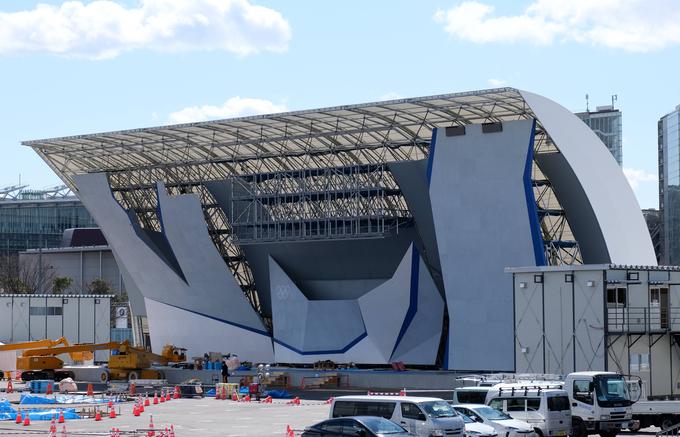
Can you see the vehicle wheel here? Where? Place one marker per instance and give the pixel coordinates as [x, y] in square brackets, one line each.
[578, 428]
[635, 427]
[104, 376]
[133, 376]
[608, 433]
[538, 432]
[667, 422]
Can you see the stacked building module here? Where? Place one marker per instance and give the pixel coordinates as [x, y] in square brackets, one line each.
[369, 233]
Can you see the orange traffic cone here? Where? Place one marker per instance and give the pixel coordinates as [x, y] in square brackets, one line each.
[63, 431]
[146, 401]
[151, 432]
[167, 396]
[90, 390]
[27, 420]
[112, 413]
[162, 397]
[97, 416]
[289, 431]
[135, 411]
[155, 398]
[10, 386]
[177, 394]
[49, 389]
[246, 398]
[61, 417]
[19, 418]
[234, 396]
[329, 400]
[53, 427]
[141, 406]
[296, 401]
[172, 430]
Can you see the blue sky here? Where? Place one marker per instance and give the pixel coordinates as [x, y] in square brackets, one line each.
[97, 66]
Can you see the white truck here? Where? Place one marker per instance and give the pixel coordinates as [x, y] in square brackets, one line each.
[600, 401]
[662, 413]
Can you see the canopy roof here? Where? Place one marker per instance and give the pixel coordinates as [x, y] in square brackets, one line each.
[360, 133]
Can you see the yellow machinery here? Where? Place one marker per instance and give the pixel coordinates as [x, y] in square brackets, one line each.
[77, 357]
[128, 363]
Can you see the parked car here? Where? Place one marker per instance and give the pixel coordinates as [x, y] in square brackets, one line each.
[505, 425]
[477, 429]
[421, 416]
[359, 426]
[545, 408]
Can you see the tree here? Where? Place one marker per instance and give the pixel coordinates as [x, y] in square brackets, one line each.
[26, 275]
[99, 286]
[61, 284]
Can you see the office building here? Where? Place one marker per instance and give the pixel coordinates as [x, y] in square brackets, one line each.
[669, 185]
[605, 121]
[31, 219]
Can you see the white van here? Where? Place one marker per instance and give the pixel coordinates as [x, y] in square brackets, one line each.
[427, 417]
[470, 395]
[546, 409]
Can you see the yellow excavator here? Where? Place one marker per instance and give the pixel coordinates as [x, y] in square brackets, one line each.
[77, 357]
[127, 363]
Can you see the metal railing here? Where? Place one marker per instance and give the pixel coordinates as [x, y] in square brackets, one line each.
[643, 319]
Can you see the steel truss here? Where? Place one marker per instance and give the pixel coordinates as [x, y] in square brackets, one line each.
[358, 201]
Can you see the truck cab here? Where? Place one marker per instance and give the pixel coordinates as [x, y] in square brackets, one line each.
[600, 403]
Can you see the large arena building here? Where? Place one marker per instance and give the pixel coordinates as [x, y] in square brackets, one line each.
[370, 233]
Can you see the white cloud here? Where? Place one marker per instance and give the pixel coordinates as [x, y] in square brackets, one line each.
[496, 82]
[633, 25]
[104, 29]
[635, 176]
[234, 107]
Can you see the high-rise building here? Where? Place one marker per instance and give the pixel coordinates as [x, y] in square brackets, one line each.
[32, 219]
[669, 185]
[606, 123]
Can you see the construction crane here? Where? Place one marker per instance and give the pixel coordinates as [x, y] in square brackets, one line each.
[129, 363]
[77, 357]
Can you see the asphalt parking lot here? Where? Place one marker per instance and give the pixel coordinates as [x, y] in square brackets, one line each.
[203, 417]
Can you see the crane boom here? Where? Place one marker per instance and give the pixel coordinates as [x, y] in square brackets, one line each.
[43, 352]
[33, 344]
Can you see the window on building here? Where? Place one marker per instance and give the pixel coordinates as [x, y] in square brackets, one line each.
[45, 311]
[616, 297]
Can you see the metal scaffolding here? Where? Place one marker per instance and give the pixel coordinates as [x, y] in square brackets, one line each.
[360, 201]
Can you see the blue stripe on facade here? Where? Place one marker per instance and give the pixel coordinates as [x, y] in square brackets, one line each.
[413, 302]
[536, 237]
[237, 325]
[430, 157]
[326, 352]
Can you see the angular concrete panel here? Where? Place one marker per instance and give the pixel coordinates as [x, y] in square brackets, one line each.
[206, 290]
[482, 226]
[420, 342]
[311, 327]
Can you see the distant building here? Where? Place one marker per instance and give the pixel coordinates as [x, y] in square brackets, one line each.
[653, 218]
[31, 219]
[606, 123]
[669, 185]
